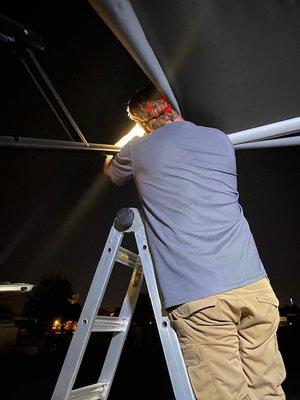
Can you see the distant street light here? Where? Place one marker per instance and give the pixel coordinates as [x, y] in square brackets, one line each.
[15, 287]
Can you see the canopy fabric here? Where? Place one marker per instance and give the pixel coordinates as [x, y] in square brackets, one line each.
[233, 65]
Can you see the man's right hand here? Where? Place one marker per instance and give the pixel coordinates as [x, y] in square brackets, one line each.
[107, 162]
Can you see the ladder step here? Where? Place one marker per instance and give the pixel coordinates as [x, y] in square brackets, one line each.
[109, 324]
[127, 257]
[92, 392]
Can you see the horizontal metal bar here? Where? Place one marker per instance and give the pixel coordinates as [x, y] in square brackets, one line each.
[237, 138]
[127, 257]
[266, 131]
[280, 142]
[47, 144]
[109, 324]
[91, 392]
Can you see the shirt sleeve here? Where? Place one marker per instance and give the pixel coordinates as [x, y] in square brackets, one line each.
[120, 169]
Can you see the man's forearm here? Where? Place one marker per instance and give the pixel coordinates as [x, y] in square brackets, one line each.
[106, 165]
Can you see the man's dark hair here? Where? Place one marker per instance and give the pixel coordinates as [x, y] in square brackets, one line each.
[150, 108]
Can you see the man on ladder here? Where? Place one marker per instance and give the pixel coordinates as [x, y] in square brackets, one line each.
[212, 281]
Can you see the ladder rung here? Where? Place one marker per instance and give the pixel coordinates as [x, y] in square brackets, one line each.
[109, 324]
[92, 392]
[127, 257]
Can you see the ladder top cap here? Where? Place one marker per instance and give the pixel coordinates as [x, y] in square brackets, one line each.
[124, 219]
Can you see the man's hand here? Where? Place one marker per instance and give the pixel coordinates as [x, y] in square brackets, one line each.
[107, 162]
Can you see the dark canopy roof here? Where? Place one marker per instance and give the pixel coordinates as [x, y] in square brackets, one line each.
[234, 65]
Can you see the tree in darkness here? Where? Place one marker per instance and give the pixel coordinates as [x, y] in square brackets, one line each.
[53, 298]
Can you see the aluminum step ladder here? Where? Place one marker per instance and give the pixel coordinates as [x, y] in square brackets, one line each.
[127, 220]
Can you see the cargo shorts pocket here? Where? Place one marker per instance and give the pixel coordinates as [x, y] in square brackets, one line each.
[268, 299]
[191, 354]
[268, 307]
[201, 377]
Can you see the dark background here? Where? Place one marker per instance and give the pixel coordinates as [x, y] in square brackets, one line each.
[233, 65]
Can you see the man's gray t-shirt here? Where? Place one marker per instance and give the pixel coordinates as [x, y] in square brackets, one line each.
[199, 239]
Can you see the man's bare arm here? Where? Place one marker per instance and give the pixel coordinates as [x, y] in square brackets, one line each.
[106, 165]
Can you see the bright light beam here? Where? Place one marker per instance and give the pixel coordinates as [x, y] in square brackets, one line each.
[78, 211]
[135, 131]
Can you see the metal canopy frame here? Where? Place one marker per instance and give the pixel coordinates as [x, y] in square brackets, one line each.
[29, 143]
[122, 20]
[19, 40]
[46, 144]
[51, 96]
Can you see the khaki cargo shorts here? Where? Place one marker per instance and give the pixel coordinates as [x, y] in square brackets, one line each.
[229, 344]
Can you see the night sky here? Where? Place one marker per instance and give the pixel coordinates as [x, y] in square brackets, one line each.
[57, 206]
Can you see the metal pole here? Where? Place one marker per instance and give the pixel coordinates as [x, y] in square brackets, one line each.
[51, 96]
[266, 131]
[121, 19]
[46, 98]
[30, 143]
[281, 142]
[56, 96]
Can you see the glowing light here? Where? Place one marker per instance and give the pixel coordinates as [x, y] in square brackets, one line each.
[135, 131]
[56, 326]
[70, 326]
[78, 212]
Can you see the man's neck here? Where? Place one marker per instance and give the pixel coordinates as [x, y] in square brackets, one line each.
[177, 119]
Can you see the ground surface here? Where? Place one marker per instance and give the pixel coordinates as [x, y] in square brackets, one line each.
[141, 374]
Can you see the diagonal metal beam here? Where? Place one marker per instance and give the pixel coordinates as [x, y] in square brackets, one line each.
[19, 40]
[75, 132]
[122, 20]
[50, 95]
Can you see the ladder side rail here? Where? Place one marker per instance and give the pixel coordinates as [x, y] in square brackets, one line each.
[117, 343]
[176, 366]
[91, 306]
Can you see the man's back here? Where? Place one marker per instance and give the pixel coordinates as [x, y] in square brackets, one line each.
[222, 307]
[201, 243]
